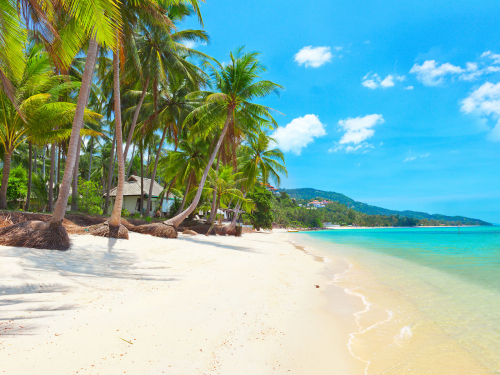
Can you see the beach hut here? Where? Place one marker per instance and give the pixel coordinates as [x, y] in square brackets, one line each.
[132, 195]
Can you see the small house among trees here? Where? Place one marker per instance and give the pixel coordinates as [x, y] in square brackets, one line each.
[132, 196]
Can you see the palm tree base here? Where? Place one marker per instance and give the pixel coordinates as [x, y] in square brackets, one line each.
[35, 235]
[158, 230]
[106, 230]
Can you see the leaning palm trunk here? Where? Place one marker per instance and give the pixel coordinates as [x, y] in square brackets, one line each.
[213, 211]
[83, 96]
[30, 174]
[158, 153]
[114, 220]
[51, 176]
[134, 119]
[176, 220]
[185, 196]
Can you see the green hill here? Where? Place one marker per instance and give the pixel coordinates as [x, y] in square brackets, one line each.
[309, 194]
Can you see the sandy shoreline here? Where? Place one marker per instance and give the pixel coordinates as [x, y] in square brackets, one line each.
[194, 305]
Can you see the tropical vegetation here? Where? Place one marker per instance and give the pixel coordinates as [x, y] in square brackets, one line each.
[94, 91]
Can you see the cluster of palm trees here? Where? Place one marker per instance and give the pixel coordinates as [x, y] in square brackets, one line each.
[94, 85]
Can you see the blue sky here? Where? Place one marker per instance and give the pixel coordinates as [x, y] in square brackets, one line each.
[391, 103]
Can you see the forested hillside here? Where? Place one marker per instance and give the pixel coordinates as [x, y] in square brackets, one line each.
[309, 194]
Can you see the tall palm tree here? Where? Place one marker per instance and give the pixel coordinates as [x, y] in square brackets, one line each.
[36, 94]
[237, 85]
[155, 55]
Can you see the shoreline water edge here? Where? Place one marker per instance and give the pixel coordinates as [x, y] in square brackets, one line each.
[396, 334]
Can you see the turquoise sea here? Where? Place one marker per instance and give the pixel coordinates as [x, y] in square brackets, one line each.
[432, 296]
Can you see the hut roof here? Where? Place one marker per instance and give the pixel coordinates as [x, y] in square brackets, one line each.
[133, 187]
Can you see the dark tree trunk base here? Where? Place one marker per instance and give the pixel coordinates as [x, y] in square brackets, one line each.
[158, 230]
[35, 235]
[106, 230]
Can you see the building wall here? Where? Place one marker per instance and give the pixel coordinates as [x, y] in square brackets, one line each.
[130, 203]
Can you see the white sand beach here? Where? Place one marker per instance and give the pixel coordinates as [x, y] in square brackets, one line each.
[193, 305]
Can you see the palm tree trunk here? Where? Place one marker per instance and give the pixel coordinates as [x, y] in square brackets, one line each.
[43, 162]
[30, 174]
[58, 176]
[74, 197]
[213, 222]
[34, 165]
[134, 119]
[237, 210]
[176, 220]
[114, 220]
[158, 153]
[5, 179]
[141, 204]
[83, 96]
[214, 196]
[110, 173]
[90, 156]
[51, 176]
[185, 195]
[131, 160]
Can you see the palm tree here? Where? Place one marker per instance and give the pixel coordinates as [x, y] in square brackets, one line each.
[237, 86]
[149, 10]
[157, 55]
[223, 183]
[35, 93]
[259, 161]
[185, 164]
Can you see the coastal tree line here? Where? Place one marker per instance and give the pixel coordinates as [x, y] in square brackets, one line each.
[286, 212]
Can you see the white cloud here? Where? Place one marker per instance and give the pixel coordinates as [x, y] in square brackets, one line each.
[192, 44]
[485, 102]
[430, 73]
[299, 133]
[373, 80]
[357, 131]
[388, 81]
[408, 88]
[493, 56]
[313, 56]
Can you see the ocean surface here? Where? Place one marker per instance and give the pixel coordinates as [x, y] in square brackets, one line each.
[431, 296]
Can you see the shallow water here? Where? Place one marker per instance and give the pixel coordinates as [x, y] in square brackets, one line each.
[432, 296]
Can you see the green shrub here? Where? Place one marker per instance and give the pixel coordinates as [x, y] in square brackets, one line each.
[148, 219]
[125, 212]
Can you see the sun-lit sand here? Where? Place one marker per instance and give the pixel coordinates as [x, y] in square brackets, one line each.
[194, 305]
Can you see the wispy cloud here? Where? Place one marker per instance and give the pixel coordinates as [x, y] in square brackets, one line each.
[192, 44]
[411, 158]
[431, 73]
[373, 80]
[356, 132]
[313, 56]
[299, 133]
[408, 88]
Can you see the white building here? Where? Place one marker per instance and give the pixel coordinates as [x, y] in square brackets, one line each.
[132, 195]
